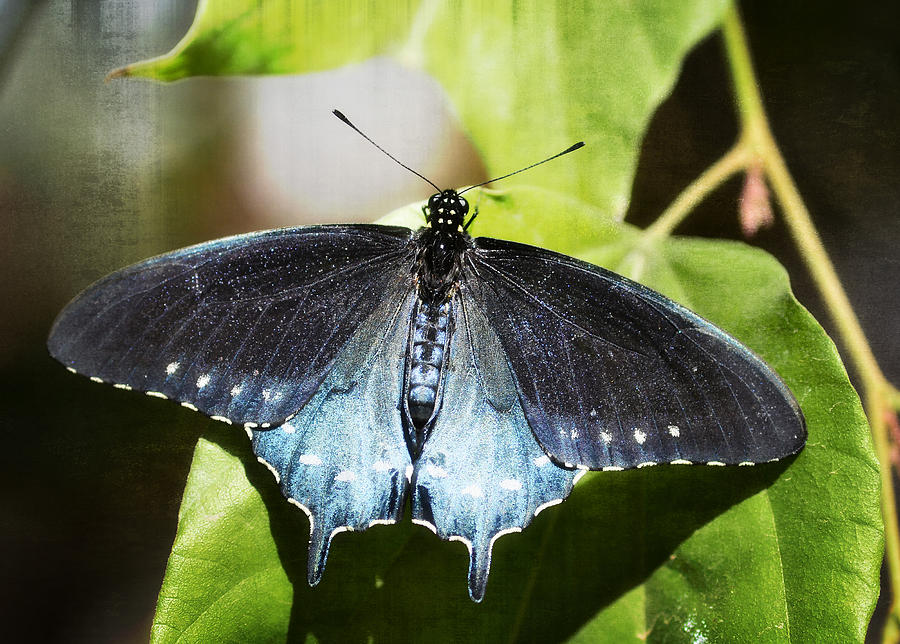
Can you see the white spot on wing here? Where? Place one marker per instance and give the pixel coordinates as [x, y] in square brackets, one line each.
[745, 463]
[501, 534]
[188, 405]
[157, 394]
[605, 436]
[436, 471]
[202, 381]
[409, 473]
[680, 461]
[249, 432]
[96, 379]
[425, 523]
[340, 529]
[375, 522]
[457, 537]
[71, 369]
[222, 419]
[474, 491]
[720, 463]
[639, 436]
[646, 464]
[674, 431]
[172, 367]
[541, 461]
[613, 468]
[306, 511]
[511, 484]
[121, 386]
[582, 470]
[236, 390]
[310, 459]
[288, 428]
[345, 475]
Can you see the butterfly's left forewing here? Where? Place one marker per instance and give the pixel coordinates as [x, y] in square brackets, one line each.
[614, 375]
[244, 328]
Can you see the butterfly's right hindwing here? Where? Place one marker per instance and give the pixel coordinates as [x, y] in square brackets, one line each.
[482, 474]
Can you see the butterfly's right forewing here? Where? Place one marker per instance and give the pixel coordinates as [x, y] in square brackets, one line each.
[614, 375]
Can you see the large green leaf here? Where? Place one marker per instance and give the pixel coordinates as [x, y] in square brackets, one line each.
[527, 77]
[783, 552]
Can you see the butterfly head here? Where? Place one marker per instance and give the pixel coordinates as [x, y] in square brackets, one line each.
[447, 212]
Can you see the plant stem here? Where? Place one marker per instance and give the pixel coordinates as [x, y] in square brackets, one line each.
[756, 146]
[877, 391]
[730, 163]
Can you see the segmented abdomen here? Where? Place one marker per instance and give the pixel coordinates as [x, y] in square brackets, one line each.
[426, 358]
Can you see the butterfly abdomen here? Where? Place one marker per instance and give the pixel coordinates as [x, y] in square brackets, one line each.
[429, 341]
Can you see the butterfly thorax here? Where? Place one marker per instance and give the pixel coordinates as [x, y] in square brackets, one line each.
[441, 245]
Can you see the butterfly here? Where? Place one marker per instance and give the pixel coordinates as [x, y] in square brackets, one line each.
[474, 377]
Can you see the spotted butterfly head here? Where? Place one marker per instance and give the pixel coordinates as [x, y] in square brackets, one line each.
[447, 211]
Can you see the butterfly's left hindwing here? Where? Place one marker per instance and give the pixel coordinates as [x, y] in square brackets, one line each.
[243, 328]
[614, 375]
[343, 457]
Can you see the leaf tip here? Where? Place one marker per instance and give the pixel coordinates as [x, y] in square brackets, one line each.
[119, 72]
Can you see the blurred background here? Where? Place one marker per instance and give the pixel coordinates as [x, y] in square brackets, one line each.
[96, 175]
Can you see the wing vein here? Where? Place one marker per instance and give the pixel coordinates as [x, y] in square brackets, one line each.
[524, 291]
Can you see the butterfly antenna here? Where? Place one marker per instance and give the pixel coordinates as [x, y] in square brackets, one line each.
[341, 116]
[580, 144]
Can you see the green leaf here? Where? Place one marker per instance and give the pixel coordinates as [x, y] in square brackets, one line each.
[789, 551]
[527, 77]
[277, 37]
[223, 554]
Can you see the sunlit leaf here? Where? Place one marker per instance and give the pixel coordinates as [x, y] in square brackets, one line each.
[527, 78]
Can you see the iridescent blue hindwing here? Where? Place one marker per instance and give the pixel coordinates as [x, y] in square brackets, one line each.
[482, 473]
[343, 459]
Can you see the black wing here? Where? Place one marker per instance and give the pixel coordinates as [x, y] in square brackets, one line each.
[243, 328]
[613, 375]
